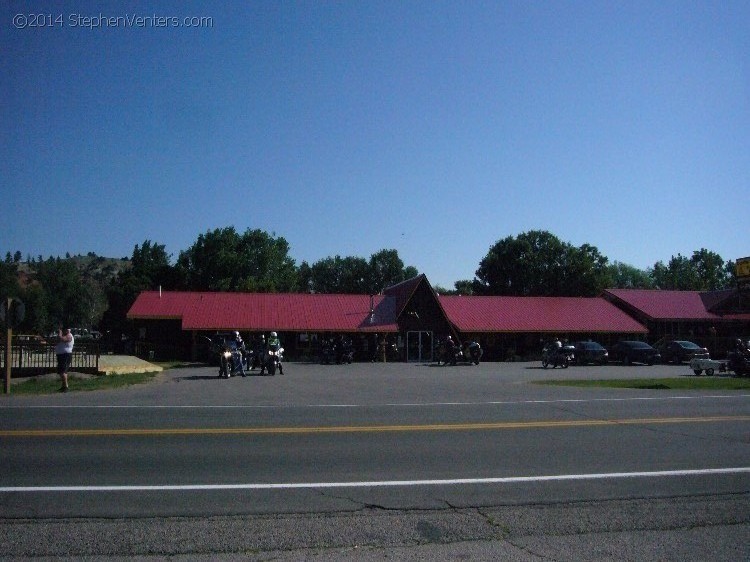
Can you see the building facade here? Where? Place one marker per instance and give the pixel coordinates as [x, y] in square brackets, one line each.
[410, 319]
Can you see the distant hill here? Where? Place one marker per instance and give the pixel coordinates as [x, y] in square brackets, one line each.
[91, 266]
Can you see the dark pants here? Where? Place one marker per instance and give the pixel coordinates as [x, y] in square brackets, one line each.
[63, 362]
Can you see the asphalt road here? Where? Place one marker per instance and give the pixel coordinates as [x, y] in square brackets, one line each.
[378, 462]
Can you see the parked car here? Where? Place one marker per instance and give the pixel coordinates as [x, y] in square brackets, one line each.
[634, 351]
[590, 352]
[679, 351]
[25, 339]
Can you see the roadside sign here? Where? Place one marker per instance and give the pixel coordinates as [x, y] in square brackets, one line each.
[742, 269]
[12, 312]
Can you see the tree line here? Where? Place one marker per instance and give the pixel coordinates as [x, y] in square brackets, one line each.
[62, 292]
[538, 263]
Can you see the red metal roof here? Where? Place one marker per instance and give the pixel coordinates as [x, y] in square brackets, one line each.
[537, 314]
[268, 311]
[665, 305]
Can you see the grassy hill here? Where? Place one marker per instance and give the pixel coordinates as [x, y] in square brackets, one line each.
[91, 266]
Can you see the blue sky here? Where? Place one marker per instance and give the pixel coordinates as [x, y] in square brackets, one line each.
[435, 128]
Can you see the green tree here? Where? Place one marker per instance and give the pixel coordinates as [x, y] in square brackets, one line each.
[356, 275]
[387, 269]
[150, 269]
[711, 270]
[464, 287]
[304, 278]
[223, 260]
[348, 275]
[9, 286]
[68, 299]
[537, 263]
[584, 271]
[626, 276]
[704, 271]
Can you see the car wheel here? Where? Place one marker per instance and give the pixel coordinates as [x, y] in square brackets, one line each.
[626, 360]
[697, 371]
[710, 372]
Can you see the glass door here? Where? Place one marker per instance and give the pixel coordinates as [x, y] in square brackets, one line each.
[419, 346]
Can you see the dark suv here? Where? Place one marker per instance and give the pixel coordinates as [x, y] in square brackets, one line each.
[679, 351]
[634, 351]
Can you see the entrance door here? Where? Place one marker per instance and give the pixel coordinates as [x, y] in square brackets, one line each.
[419, 346]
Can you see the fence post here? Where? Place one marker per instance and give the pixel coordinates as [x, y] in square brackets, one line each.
[8, 353]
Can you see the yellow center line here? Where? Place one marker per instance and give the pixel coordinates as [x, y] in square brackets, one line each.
[359, 428]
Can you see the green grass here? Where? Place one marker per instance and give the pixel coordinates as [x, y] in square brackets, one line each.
[678, 383]
[49, 386]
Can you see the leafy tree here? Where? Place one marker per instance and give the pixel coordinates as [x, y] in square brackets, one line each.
[537, 263]
[626, 276]
[304, 278]
[349, 275]
[9, 286]
[711, 270]
[387, 269]
[150, 268]
[464, 287]
[356, 275]
[223, 260]
[68, 299]
[704, 271]
[585, 271]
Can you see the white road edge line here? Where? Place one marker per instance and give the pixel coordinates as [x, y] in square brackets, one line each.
[376, 484]
[376, 405]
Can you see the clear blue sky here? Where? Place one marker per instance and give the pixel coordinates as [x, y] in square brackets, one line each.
[435, 128]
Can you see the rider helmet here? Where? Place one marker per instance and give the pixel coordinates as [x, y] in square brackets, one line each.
[274, 334]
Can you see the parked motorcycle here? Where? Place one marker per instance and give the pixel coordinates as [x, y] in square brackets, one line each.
[328, 352]
[472, 352]
[557, 356]
[739, 363]
[272, 360]
[448, 354]
[230, 360]
[344, 351]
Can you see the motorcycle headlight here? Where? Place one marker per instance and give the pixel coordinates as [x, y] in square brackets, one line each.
[227, 354]
[270, 353]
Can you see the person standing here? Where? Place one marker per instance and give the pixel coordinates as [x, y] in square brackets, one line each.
[64, 352]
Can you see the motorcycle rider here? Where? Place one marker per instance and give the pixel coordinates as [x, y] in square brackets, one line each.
[259, 346]
[550, 350]
[273, 342]
[242, 349]
[450, 351]
[237, 364]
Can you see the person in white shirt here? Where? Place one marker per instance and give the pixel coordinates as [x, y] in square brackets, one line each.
[64, 352]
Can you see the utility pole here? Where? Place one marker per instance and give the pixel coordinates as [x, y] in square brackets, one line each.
[12, 313]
